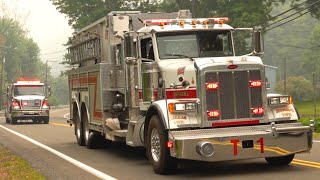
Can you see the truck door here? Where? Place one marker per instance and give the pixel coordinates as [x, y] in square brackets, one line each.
[149, 71]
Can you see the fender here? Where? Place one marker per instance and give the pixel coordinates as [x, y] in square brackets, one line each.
[157, 108]
[84, 105]
[75, 103]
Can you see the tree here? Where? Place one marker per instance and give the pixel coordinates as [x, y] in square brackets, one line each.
[22, 53]
[298, 87]
[241, 13]
[311, 64]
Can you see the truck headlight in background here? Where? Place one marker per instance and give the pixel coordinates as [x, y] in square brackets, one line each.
[280, 100]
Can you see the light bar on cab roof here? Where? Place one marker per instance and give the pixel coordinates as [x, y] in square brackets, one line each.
[200, 21]
[28, 82]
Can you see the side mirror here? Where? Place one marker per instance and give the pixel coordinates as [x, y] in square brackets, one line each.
[129, 46]
[258, 41]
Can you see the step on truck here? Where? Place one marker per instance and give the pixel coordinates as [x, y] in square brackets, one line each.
[180, 88]
[26, 99]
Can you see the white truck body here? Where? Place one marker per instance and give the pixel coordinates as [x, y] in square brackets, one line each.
[26, 100]
[144, 79]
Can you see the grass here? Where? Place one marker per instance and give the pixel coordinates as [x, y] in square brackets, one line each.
[306, 110]
[14, 167]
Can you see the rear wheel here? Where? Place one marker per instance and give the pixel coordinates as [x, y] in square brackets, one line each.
[85, 129]
[7, 120]
[280, 161]
[158, 153]
[78, 130]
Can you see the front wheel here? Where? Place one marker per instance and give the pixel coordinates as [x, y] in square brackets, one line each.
[46, 120]
[280, 161]
[13, 120]
[158, 153]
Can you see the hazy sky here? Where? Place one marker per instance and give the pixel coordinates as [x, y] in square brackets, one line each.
[48, 28]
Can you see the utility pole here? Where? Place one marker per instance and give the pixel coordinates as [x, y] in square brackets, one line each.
[314, 96]
[46, 78]
[194, 8]
[285, 75]
[1, 80]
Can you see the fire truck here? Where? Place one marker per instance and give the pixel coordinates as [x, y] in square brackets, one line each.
[26, 99]
[176, 86]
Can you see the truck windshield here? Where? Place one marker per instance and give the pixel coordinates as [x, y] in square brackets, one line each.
[28, 90]
[194, 44]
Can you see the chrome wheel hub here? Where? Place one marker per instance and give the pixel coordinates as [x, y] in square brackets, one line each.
[155, 145]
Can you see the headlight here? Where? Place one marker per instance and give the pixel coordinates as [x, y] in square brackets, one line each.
[190, 106]
[172, 107]
[180, 107]
[280, 100]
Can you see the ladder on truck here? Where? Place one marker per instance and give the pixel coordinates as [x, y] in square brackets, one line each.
[86, 47]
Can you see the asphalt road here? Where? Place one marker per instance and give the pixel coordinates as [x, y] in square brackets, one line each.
[122, 162]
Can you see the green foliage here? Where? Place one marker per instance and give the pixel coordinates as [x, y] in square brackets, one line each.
[22, 54]
[59, 91]
[312, 6]
[306, 110]
[242, 12]
[298, 87]
[311, 64]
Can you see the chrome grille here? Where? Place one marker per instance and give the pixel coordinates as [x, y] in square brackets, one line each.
[31, 104]
[234, 98]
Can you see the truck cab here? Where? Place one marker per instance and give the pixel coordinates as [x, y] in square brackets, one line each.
[27, 100]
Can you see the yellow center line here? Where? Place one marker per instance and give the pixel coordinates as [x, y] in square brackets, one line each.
[306, 162]
[58, 124]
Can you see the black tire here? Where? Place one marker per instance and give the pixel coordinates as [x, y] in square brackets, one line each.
[7, 120]
[159, 154]
[280, 161]
[13, 120]
[78, 129]
[46, 120]
[96, 140]
[86, 130]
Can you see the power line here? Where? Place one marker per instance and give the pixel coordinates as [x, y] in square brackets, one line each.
[303, 3]
[55, 52]
[291, 16]
[298, 47]
[287, 21]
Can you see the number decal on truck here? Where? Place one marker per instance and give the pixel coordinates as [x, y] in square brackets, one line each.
[236, 141]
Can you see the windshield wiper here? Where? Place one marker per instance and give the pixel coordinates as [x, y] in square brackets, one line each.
[180, 55]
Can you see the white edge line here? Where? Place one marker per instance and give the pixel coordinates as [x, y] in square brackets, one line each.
[316, 141]
[65, 116]
[81, 165]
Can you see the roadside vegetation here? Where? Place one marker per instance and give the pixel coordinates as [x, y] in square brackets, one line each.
[14, 167]
[306, 111]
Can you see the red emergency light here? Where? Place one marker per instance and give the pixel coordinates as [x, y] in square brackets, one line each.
[25, 103]
[213, 113]
[257, 111]
[28, 82]
[212, 86]
[255, 84]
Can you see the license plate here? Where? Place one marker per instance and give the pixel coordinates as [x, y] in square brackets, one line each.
[31, 112]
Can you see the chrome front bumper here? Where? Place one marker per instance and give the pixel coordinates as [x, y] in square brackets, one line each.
[25, 114]
[232, 143]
